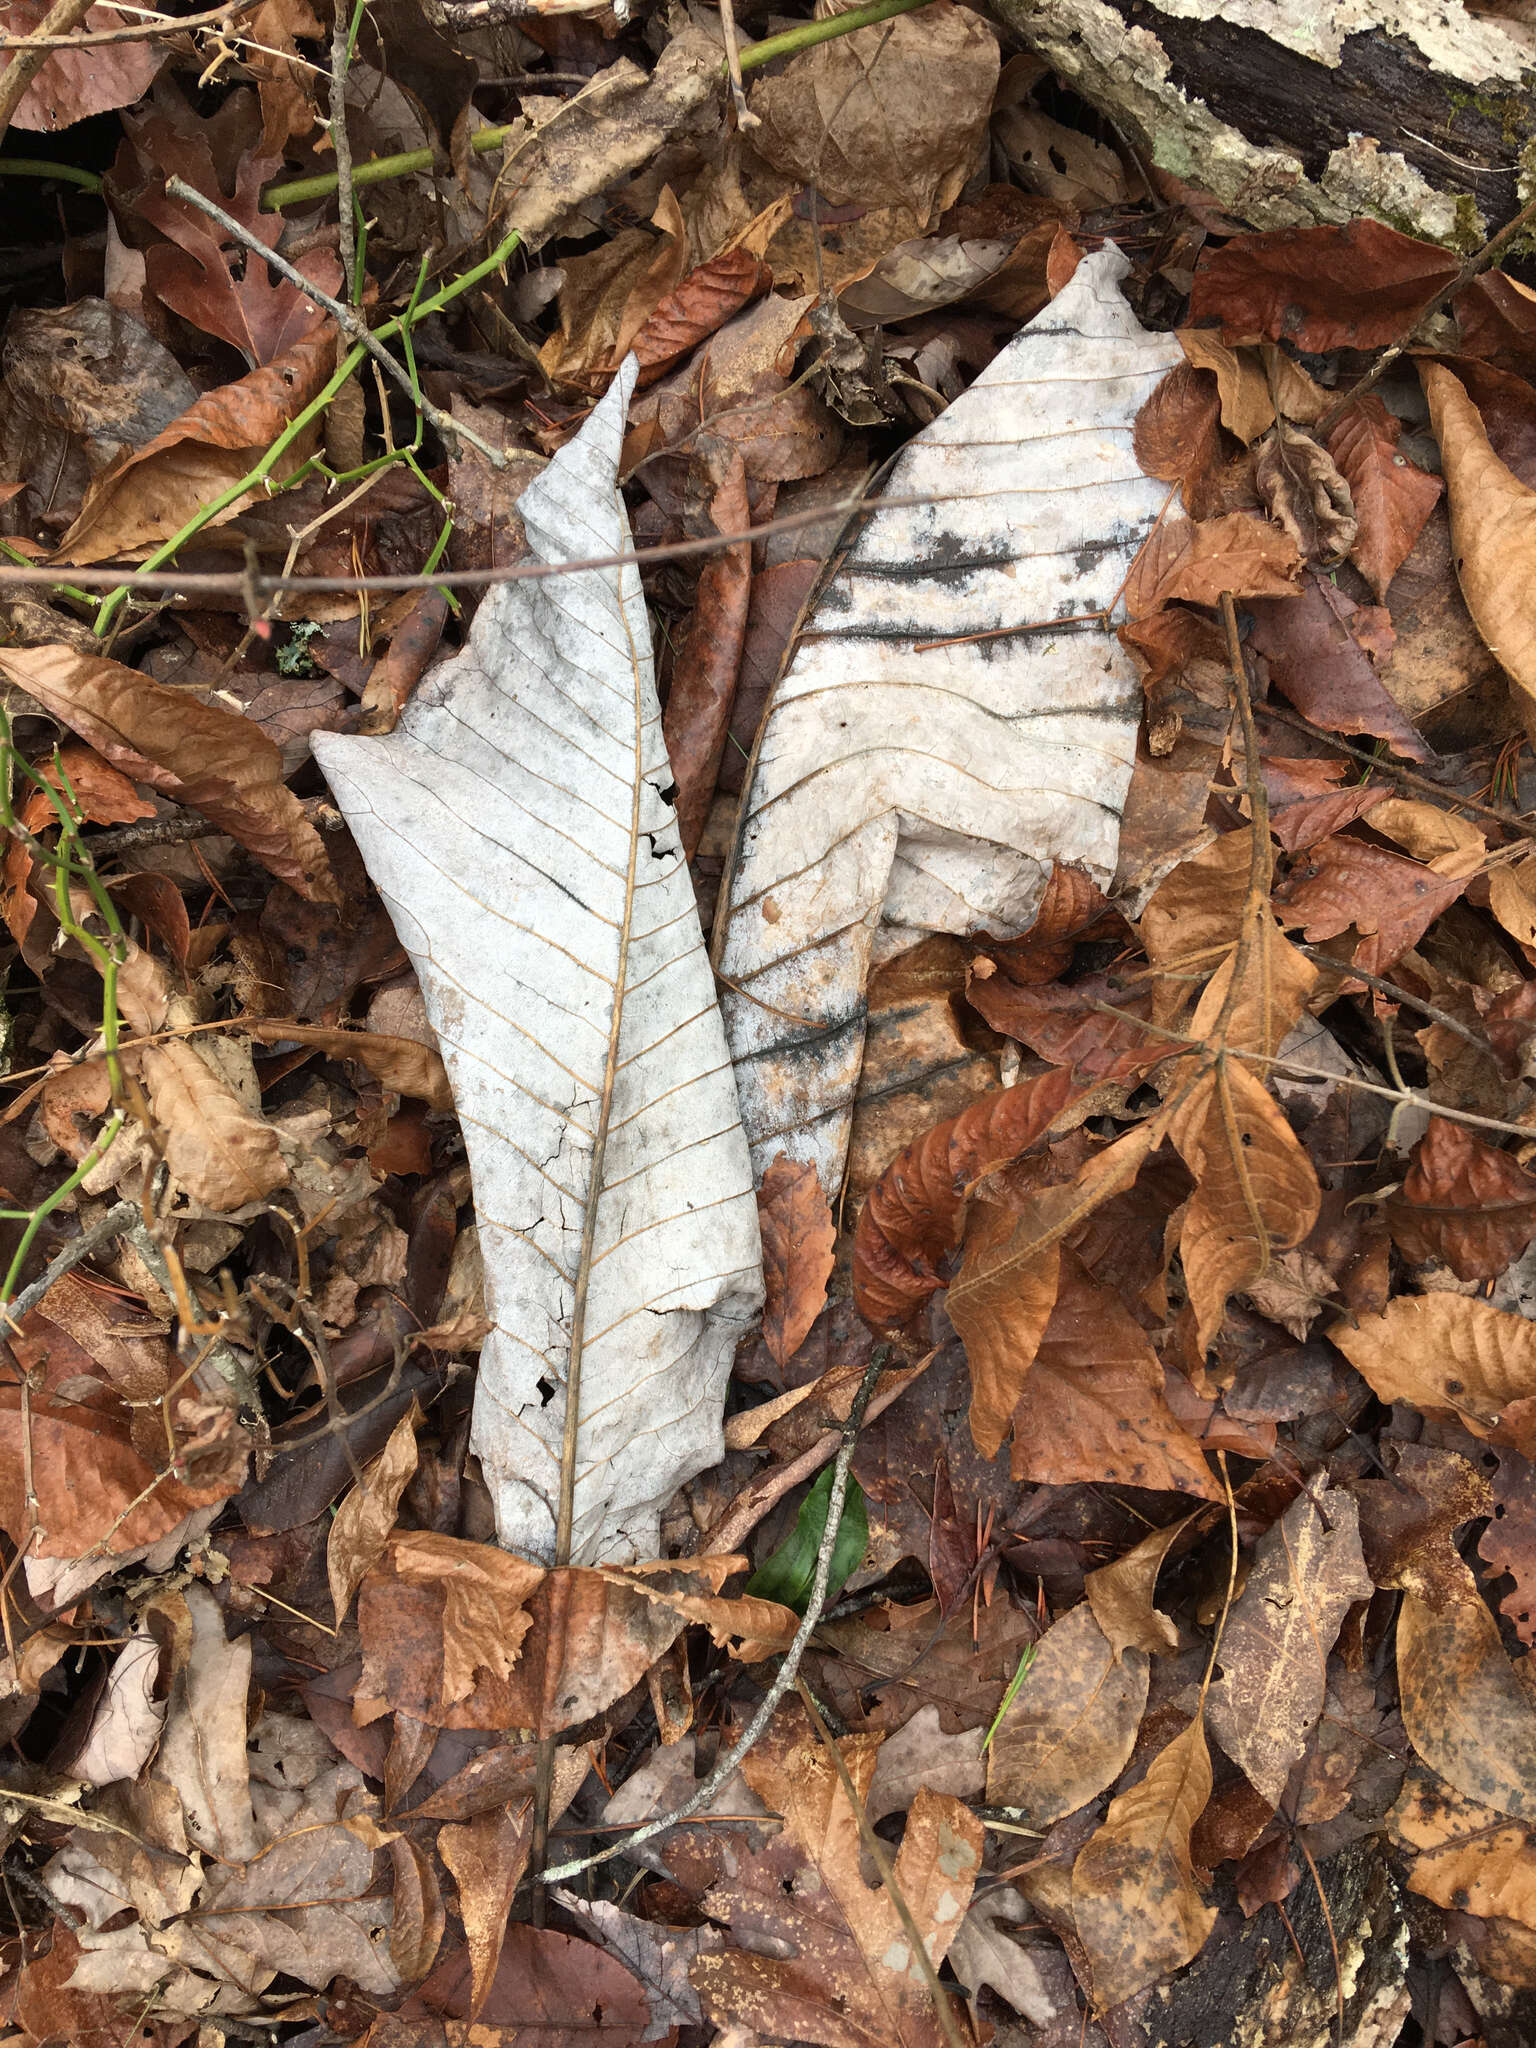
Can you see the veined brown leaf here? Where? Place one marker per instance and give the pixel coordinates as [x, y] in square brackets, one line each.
[1196, 560]
[516, 825]
[913, 1215]
[1464, 1202]
[1138, 1909]
[1070, 1729]
[798, 1240]
[1448, 1354]
[1393, 497]
[1321, 288]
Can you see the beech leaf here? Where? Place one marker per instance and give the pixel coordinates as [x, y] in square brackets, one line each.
[934, 786]
[516, 826]
[1393, 497]
[1448, 1354]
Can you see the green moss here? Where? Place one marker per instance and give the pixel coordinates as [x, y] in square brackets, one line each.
[1468, 234]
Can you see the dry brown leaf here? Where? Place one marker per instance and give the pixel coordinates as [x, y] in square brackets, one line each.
[1256, 1190]
[1463, 1202]
[1493, 531]
[1246, 376]
[607, 297]
[222, 1153]
[1196, 561]
[402, 1064]
[913, 1216]
[1392, 496]
[798, 1240]
[1465, 1856]
[1321, 288]
[1325, 654]
[209, 758]
[697, 718]
[361, 1525]
[1121, 1595]
[894, 113]
[153, 491]
[1177, 436]
[836, 1956]
[1093, 1409]
[419, 1919]
[441, 1622]
[1072, 1725]
[1138, 1908]
[1341, 882]
[702, 303]
[1302, 489]
[486, 1858]
[1306, 1572]
[1449, 1354]
[1002, 1296]
[1466, 1711]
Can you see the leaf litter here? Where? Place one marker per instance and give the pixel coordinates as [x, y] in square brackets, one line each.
[775, 1285]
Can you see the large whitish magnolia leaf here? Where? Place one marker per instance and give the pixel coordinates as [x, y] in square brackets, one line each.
[934, 788]
[516, 827]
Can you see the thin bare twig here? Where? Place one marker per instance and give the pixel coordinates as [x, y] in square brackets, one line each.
[341, 148]
[1393, 993]
[119, 1218]
[351, 325]
[140, 31]
[783, 1679]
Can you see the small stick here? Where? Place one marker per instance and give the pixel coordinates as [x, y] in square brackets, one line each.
[1408, 777]
[1393, 993]
[1473, 267]
[745, 118]
[346, 319]
[119, 1218]
[783, 1679]
[341, 148]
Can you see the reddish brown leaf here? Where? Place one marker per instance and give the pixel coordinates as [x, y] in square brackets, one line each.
[547, 1989]
[1392, 496]
[202, 755]
[394, 675]
[1070, 1027]
[1318, 657]
[798, 1240]
[103, 793]
[912, 1217]
[1391, 901]
[200, 271]
[1497, 317]
[74, 84]
[1178, 434]
[486, 1858]
[707, 297]
[1508, 1541]
[1239, 552]
[151, 493]
[698, 713]
[1463, 1202]
[1359, 286]
[1093, 1407]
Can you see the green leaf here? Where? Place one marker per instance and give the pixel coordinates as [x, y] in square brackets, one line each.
[787, 1575]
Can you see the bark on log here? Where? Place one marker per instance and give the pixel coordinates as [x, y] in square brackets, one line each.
[1291, 112]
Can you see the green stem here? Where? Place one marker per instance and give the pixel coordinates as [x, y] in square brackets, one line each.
[49, 1203]
[297, 191]
[401, 323]
[39, 167]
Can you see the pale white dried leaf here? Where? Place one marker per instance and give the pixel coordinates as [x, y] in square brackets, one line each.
[128, 1718]
[933, 786]
[517, 827]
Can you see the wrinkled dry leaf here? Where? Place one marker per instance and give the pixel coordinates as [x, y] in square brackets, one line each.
[1196, 560]
[222, 1153]
[1302, 489]
[362, 1523]
[202, 755]
[1448, 1354]
[1392, 496]
[636, 1284]
[1463, 1202]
